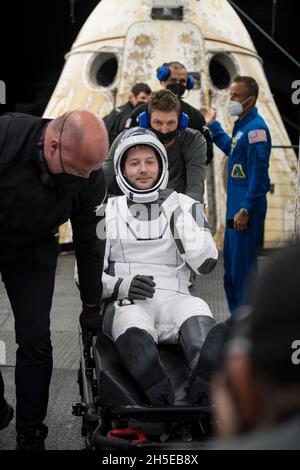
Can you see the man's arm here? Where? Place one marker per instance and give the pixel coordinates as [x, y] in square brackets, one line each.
[197, 122]
[209, 144]
[89, 249]
[192, 236]
[110, 283]
[220, 138]
[194, 153]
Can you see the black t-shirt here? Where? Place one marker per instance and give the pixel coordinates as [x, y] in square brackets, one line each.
[32, 206]
[115, 121]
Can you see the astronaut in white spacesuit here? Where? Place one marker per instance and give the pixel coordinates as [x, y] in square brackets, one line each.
[155, 238]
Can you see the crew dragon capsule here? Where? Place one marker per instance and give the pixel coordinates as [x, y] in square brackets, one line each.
[123, 42]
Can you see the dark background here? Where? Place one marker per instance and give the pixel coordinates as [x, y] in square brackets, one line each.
[35, 36]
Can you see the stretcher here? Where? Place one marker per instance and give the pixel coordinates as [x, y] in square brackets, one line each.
[117, 415]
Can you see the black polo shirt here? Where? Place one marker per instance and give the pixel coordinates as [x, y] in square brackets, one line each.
[32, 206]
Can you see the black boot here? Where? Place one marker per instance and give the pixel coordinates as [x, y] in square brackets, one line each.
[32, 438]
[140, 356]
[192, 336]
[211, 358]
[193, 333]
[6, 415]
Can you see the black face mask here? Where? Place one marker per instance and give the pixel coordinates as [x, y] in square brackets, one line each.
[68, 183]
[177, 88]
[165, 138]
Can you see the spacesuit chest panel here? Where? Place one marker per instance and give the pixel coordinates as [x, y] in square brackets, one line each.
[153, 241]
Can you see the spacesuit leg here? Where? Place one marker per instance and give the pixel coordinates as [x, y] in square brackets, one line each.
[210, 359]
[140, 356]
[192, 336]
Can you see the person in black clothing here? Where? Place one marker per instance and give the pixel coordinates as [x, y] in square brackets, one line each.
[119, 118]
[49, 172]
[174, 76]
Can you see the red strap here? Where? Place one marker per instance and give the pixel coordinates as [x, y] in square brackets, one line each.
[127, 432]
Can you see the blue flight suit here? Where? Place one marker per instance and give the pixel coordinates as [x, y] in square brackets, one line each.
[247, 185]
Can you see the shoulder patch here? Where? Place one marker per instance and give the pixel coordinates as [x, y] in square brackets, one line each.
[237, 171]
[258, 135]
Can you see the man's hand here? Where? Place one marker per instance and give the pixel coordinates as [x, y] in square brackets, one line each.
[137, 287]
[89, 319]
[141, 287]
[240, 221]
[209, 114]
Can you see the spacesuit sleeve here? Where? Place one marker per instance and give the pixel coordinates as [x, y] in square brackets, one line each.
[259, 149]
[193, 237]
[220, 138]
[114, 287]
[110, 283]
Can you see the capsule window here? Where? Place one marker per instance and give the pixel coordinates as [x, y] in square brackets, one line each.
[104, 69]
[222, 70]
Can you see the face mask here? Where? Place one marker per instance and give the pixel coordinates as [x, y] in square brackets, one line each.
[68, 183]
[177, 88]
[165, 138]
[235, 108]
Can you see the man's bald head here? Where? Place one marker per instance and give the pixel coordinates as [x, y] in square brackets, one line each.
[76, 143]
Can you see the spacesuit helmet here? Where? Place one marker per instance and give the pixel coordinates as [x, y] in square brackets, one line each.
[131, 138]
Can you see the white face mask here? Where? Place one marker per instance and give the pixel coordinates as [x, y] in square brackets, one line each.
[235, 108]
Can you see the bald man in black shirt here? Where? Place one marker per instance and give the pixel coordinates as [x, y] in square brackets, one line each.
[50, 171]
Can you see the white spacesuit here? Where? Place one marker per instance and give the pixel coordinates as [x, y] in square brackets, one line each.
[156, 236]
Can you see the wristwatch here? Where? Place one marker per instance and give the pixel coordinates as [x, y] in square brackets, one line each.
[244, 211]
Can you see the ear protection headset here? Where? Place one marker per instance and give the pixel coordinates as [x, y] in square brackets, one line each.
[163, 73]
[144, 121]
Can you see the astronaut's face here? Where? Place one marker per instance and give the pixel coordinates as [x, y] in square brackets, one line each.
[141, 167]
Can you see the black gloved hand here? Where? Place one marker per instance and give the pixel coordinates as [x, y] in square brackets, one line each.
[141, 287]
[89, 319]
